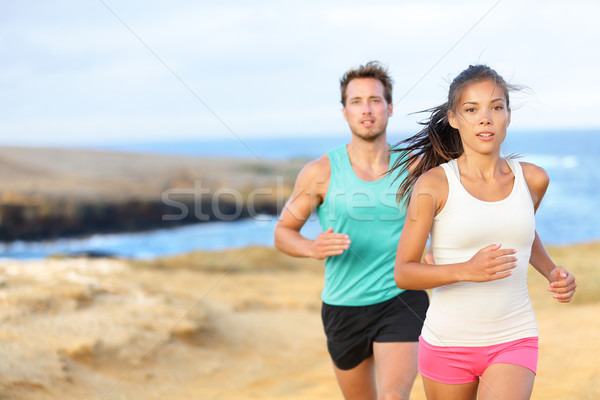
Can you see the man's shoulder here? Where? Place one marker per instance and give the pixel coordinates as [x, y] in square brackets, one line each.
[319, 165]
[317, 169]
[320, 168]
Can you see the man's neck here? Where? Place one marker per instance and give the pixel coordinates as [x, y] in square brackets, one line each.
[369, 159]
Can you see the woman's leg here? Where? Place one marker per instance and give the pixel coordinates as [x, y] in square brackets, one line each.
[442, 391]
[506, 381]
[449, 373]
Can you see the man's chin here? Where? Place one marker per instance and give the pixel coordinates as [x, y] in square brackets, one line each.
[369, 136]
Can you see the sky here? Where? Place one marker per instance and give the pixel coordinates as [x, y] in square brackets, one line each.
[105, 71]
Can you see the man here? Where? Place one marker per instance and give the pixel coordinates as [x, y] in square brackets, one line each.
[372, 327]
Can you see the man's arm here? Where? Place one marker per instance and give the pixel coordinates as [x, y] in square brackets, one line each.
[309, 191]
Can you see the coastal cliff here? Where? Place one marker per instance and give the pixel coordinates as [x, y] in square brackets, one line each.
[57, 192]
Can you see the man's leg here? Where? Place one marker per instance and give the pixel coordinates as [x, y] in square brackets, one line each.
[358, 383]
[396, 365]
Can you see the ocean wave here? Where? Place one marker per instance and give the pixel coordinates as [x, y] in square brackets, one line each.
[552, 161]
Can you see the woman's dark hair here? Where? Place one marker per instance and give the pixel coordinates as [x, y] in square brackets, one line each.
[438, 142]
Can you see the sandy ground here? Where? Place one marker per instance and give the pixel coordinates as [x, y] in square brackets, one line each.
[242, 324]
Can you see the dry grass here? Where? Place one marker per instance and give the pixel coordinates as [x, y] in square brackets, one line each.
[251, 259]
[238, 324]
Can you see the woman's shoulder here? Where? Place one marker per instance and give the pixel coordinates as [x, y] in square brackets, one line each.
[534, 175]
[433, 178]
[433, 181]
[537, 180]
[434, 184]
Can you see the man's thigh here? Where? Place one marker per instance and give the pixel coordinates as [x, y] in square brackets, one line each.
[396, 365]
[358, 383]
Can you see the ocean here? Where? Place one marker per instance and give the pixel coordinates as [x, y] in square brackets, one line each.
[567, 214]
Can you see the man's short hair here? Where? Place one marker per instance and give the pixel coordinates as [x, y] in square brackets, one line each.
[372, 69]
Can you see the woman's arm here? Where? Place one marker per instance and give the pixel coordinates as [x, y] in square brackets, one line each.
[562, 283]
[428, 198]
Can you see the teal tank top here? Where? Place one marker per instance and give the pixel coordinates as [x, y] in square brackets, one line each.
[368, 213]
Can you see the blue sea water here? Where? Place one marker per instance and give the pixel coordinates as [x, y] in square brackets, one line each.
[567, 214]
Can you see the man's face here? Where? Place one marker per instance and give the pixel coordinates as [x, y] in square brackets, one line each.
[366, 110]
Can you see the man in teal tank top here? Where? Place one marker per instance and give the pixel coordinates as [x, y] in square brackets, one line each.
[370, 324]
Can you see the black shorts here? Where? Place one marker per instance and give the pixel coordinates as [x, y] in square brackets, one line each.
[351, 331]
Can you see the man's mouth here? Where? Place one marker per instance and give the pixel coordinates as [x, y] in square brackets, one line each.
[367, 122]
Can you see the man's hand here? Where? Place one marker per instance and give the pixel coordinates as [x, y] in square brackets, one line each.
[428, 258]
[329, 244]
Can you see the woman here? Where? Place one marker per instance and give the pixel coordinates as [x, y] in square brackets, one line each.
[480, 335]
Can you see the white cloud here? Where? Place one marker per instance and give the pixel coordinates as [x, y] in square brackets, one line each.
[71, 69]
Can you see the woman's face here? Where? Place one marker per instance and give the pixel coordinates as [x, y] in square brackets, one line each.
[481, 117]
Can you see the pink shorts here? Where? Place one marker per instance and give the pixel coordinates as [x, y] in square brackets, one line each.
[455, 365]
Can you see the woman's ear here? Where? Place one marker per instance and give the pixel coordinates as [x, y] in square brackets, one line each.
[452, 119]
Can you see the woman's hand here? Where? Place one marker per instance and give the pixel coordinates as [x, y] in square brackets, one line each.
[562, 284]
[489, 264]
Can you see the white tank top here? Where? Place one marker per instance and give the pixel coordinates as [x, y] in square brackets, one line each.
[482, 313]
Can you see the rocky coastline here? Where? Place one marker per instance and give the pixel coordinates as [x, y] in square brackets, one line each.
[47, 193]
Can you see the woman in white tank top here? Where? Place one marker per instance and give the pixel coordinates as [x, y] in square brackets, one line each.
[480, 335]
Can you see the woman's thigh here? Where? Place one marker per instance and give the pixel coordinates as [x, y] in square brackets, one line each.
[506, 381]
[443, 391]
